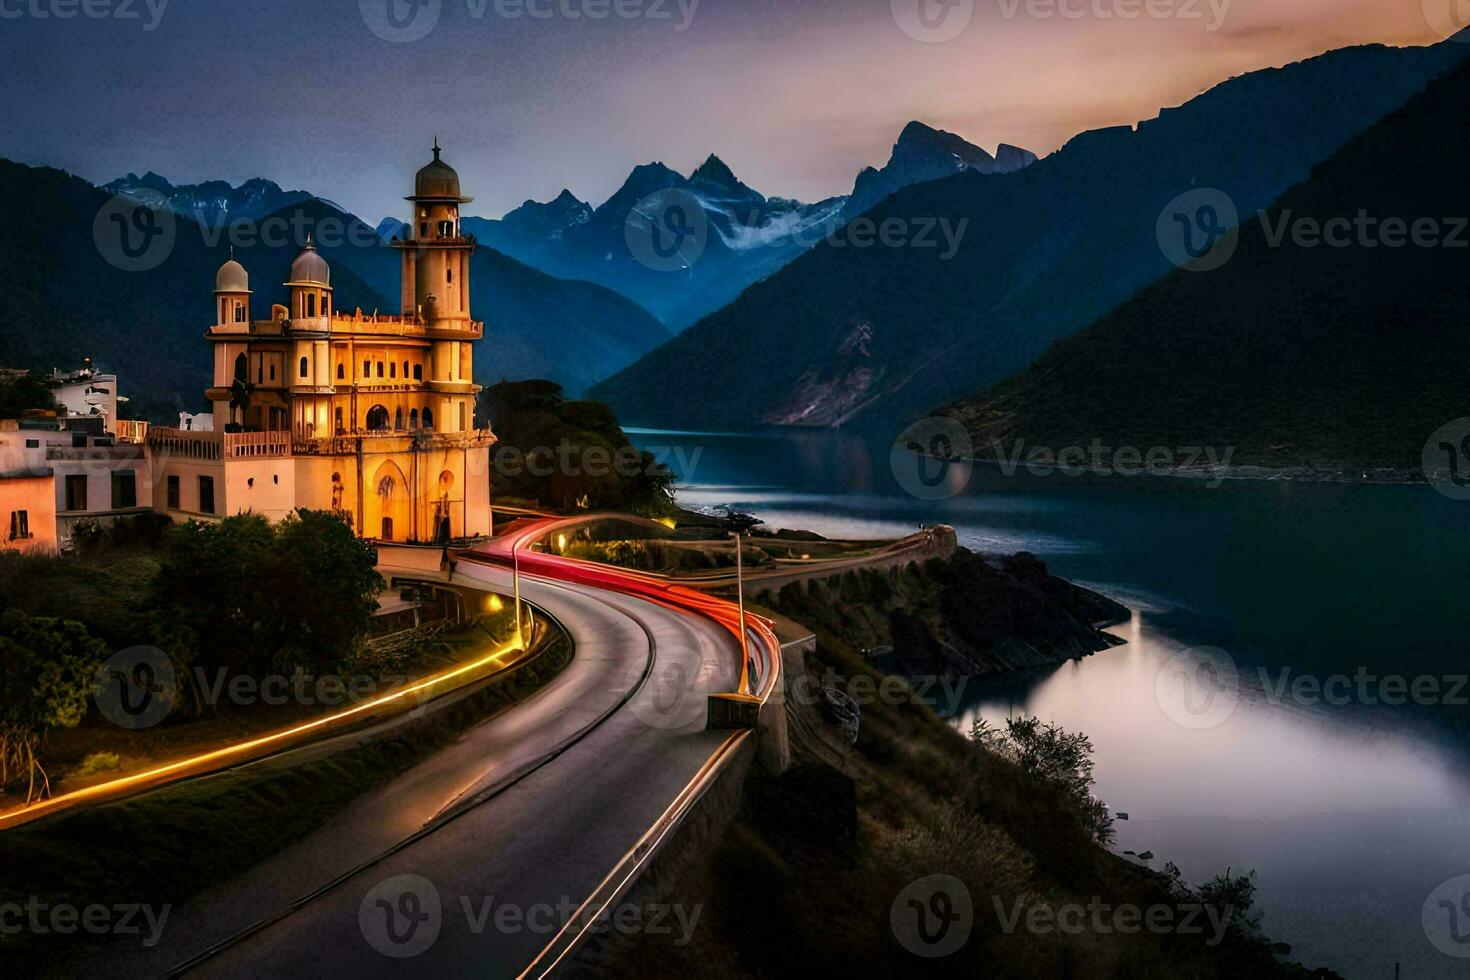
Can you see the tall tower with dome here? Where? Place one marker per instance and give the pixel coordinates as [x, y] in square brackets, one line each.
[367, 414]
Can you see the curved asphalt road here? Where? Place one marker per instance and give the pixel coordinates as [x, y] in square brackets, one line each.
[639, 677]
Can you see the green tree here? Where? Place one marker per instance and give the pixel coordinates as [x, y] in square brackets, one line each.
[24, 392]
[252, 597]
[326, 584]
[1235, 897]
[47, 668]
[214, 587]
[1052, 755]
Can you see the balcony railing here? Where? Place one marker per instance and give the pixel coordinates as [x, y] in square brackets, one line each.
[257, 445]
[216, 446]
[186, 444]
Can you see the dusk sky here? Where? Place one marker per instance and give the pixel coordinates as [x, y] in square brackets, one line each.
[796, 97]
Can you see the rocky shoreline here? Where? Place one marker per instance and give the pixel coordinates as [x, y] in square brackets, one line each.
[965, 616]
[1300, 472]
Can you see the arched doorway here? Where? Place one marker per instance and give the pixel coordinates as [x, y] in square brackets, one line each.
[443, 513]
[377, 418]
[387, 505]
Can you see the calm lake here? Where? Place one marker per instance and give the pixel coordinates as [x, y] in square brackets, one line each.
[1271, 749]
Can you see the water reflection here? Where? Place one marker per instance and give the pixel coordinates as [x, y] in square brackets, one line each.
[1351, 813]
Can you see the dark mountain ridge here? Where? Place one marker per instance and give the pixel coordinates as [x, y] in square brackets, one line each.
[873, 336]
[1299, 354]
[746, 236]
[67, 301]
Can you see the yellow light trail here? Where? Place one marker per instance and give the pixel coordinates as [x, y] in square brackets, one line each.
[207, 761]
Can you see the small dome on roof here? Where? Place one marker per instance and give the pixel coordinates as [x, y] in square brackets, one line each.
[310, 266]
[438, 180]
[232, 277]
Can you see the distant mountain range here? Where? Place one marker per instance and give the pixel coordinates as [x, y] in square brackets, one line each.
[877, 335]
[746, 236]
[65, 301]
[743, 237]
[1298, 353]
[563, 295]
[923, 154]
[214, 203]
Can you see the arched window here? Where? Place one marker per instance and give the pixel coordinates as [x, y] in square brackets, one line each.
[428, 418]
[377, 418]
[413, 418]
[398, 420]
[418, 372]
[239, 312]
[341, 372]
[242, 368]
[311, 304]
[305, 367]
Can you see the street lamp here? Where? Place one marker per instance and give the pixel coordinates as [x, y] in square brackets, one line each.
[515, 564]
[740, 709]
[740, 603]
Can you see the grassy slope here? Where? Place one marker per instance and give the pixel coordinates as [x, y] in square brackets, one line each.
[164, 846]
[803, 881]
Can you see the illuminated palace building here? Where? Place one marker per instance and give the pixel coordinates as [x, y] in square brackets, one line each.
[366, 415]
